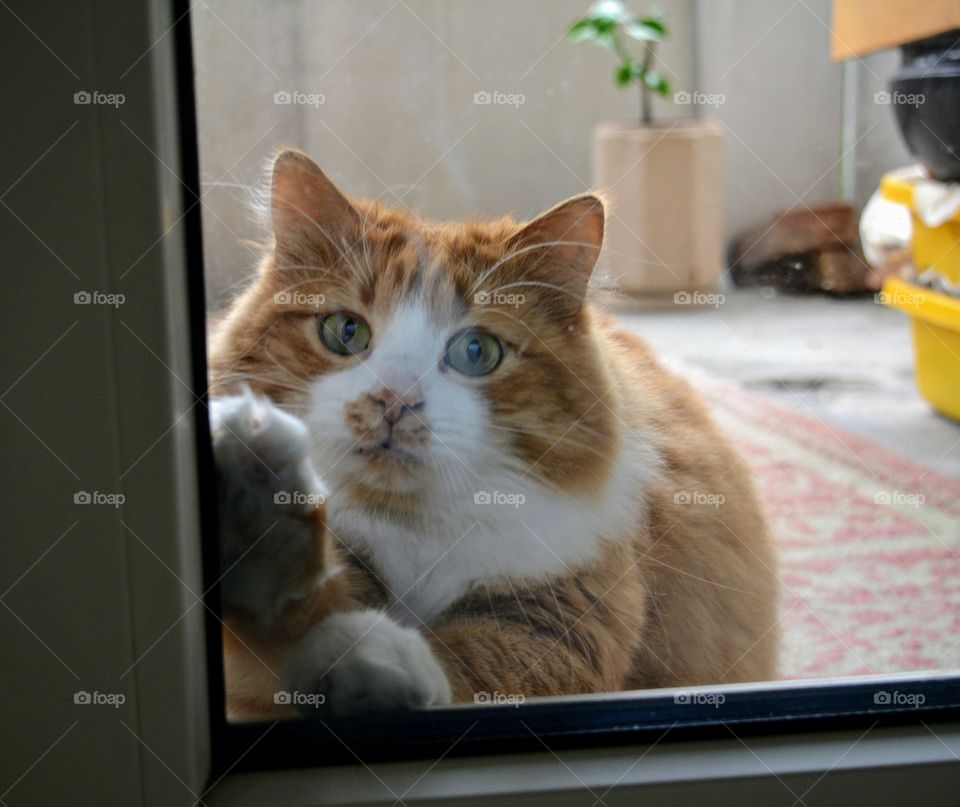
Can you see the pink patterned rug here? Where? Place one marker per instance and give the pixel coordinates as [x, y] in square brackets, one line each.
[869, 543]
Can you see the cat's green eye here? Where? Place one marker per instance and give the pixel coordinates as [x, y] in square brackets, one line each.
[344, 333]
[474, 352]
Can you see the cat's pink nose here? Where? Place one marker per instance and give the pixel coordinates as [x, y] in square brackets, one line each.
[396, 405]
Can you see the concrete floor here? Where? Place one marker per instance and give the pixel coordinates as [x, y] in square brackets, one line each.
[847, 361]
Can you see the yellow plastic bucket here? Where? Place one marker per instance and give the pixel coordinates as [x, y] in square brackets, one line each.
[935, 322]
[936, 248]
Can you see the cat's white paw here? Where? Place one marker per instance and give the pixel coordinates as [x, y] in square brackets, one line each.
[362, 661]
[267, 497]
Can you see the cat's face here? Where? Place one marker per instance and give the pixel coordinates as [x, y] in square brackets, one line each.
[428, 357]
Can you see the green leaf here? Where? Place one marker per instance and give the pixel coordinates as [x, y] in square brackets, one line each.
[645, 33]
[600, 32]
[581, 31]
[603, 26]
[624, 74]
[605, 40]
[657, 82]
[609, 10]
[654, 21]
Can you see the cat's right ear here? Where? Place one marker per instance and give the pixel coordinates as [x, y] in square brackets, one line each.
[309, 213]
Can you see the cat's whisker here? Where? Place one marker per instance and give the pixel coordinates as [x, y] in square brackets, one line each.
[361, 266]
[653, 601]
[317, 272]
[580, 425]
[523, 250]
[368, 258]
[580, 446]
[520, 475]
[502, 313]
[368, 263]
[560, 614]
[566, 439]
[306, 282]
[523, 610]
[230, 290]
[303, 381]
[454, 477]
[458, 474]
[245, 378]
[532, 283]
[266, 377]
[344, 256]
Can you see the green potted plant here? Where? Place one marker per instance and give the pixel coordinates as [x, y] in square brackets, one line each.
[665, 179]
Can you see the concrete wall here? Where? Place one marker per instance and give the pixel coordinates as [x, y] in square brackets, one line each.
[398, 118]
[782, 102]
[879, 146]
[784, 108]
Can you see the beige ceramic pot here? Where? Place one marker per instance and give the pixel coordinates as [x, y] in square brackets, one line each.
[665, 230]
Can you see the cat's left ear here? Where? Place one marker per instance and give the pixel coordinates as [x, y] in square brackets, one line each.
[562, 245]
[309, 212]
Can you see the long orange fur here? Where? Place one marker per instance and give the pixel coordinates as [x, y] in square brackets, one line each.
[687, 597]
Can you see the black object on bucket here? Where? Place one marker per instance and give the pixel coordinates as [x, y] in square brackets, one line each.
[925, 95]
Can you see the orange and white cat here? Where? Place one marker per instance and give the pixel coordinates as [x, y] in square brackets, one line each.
[443, 472]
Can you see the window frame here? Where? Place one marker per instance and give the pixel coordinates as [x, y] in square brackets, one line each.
[610, 719]
[174, 741]
[827, 710]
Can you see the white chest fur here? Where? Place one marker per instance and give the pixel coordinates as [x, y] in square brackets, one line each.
[531, 534]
